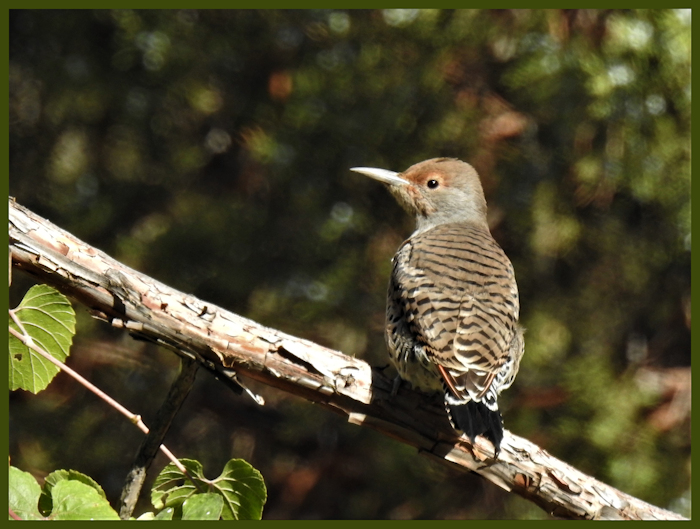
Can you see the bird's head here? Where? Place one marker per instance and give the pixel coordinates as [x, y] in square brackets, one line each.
[436, 191]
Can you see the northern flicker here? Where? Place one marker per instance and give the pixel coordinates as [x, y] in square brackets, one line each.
[452, 306]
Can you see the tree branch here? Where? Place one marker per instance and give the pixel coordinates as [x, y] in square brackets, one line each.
[229, 344]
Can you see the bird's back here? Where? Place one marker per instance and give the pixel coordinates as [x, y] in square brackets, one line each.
[456, 292]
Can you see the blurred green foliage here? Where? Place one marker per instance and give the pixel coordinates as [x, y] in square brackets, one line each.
[210, 149]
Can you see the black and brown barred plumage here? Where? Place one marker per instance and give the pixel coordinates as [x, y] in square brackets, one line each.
[452, 306]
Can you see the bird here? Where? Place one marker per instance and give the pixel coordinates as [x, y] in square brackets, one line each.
[452, 314]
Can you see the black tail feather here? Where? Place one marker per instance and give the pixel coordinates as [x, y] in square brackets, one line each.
[474, 418]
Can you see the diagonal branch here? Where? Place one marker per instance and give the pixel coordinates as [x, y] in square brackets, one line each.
[229, 344]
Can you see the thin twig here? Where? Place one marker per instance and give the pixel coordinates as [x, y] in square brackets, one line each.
[134, 418]
[160, 426]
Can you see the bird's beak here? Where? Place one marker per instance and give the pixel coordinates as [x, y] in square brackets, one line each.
[384, 176]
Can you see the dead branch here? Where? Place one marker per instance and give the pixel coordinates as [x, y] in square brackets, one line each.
[230, 344]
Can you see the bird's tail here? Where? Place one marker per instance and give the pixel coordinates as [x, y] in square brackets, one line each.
[474, 418]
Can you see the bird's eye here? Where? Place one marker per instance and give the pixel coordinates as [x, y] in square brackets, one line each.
[433, 184]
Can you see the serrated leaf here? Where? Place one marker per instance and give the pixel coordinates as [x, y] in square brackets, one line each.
[206, 506]
[240, 485]
[24, 494]
[244, 489]
[48, 317]
[73, 500]
[172, 487]
[45, 501]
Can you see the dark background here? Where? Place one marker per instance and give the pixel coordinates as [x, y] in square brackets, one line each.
[210, 150]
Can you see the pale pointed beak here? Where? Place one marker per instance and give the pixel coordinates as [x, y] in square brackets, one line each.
[384, 176]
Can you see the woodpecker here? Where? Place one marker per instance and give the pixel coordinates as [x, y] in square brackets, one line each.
[452, 305]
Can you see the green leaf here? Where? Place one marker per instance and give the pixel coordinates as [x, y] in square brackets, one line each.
[240, 485]
[24, 494]
[206, 506]
[171, 488]
[73, 500]
[244, 489]
[165, 514]
[49, 319]
[45, 501]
